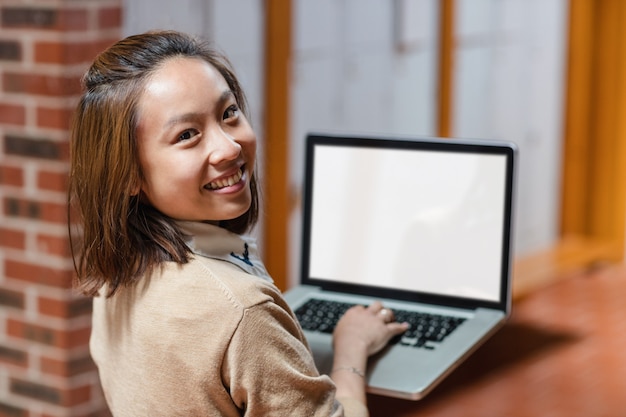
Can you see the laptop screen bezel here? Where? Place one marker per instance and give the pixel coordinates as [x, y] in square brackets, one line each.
[507, 149]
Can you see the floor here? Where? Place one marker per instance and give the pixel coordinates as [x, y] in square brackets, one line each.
[562, 353]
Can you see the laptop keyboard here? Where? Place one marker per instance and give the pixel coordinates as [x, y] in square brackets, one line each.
[425, 331]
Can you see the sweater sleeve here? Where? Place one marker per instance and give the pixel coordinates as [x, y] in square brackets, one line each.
[270, 371]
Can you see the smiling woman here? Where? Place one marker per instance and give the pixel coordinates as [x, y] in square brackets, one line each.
[197, 164]
[186, 320]
[107, 184]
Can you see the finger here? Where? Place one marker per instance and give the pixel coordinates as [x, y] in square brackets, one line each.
[375, 307]
[387, 315]
[398, 328]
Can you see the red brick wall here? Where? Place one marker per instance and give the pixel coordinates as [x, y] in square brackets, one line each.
[45, 46]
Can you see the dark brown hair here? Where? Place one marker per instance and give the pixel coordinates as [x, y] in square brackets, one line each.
[121, 237]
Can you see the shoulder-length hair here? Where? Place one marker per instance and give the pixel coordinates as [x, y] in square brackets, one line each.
[121, 238]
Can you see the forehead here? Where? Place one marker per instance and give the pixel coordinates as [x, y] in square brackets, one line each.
[178, 88]
[184, 72]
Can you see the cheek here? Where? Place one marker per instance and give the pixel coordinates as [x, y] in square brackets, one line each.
[165, 178]
[252, 153]
[249, 145]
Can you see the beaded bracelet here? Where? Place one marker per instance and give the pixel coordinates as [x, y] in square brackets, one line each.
[351, 369]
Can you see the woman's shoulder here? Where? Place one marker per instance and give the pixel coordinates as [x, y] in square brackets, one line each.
[200, 292]
[211, 280]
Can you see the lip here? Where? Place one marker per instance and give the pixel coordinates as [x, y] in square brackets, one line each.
[231, 181]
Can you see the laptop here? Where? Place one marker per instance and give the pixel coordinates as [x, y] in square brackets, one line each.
[421, 224]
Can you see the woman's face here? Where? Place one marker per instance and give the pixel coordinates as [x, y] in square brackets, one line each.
[196, 149]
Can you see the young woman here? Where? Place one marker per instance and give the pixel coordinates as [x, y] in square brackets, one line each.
[186, 320]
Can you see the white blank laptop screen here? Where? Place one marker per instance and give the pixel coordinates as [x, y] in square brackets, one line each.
[426, 221]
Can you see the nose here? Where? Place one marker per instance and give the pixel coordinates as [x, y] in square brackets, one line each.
[224, 147]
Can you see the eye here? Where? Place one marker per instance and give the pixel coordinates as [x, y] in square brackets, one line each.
[187, 134]
[231, 113]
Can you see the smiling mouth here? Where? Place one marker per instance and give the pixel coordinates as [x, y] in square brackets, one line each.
[225, 182]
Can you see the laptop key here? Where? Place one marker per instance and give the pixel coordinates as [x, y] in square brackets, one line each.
[425, 331]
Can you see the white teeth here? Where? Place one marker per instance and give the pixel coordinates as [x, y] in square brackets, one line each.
[225, 182]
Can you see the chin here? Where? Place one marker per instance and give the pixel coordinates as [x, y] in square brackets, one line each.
[235, 214]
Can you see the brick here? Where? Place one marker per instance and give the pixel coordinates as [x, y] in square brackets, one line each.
[10, 175]
[54, 118]
[52, 212]
[36, 148]
[9, 298]
[36, 391]
[73, 367]
[52, 180]
[54, 245]
[73, 19]
[64, 308]
[41, 84]
[34, 333]
[44, 18]
[12, 207]
[12, 114]
[37, 274]
[67, 53]
[13, 357]
[48, 336]
[13, 239]
[14, 17]
[36, 210]
[110, 17]
[10, 50]
[10, 410]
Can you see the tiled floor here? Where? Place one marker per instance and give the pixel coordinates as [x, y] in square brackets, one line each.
[562, 353]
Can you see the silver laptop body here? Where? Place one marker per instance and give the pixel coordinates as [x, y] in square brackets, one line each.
[422, 224]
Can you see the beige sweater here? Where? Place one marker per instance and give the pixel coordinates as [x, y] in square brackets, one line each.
[207, 339]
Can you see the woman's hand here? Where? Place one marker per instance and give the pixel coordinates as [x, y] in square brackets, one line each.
[368, 327]
[361, 332]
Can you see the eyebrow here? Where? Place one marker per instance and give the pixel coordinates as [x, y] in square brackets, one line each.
[193, 116]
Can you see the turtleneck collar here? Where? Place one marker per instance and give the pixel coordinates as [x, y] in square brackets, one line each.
[215, 242]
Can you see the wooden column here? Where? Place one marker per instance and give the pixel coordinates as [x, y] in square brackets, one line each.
[275, 196]
[446, 68]
[593, 194]
[594, 171]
